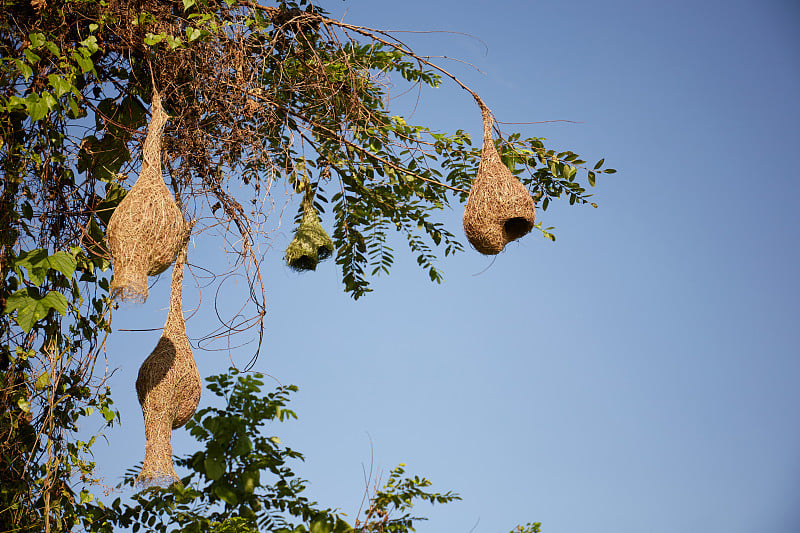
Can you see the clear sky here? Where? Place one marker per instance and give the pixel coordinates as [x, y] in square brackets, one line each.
[638, 375]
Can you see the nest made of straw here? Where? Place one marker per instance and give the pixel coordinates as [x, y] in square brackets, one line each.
[146, 229]
[311, 244]
[168, 387]
[499, 208]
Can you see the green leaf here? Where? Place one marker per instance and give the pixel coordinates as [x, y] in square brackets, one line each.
[15, 103]
[37, 39]
[174, 42]
[42, 381]
[599, 164]
[53, 48]
[37, 262]
[243, 446]
[49, 101]
[591, 178]
[320, 526]
[54, 300]
[151, 39]
[75, 109]
[30, 308]
[226, 494]
[193, 33]
[63, 262]
[214, 469]
[90, 43]
[187, 4]
[83, 61]
[59, 84]
[108, 414]
[30, 56]
[24, 404]
[250, 480]
[24, 69]
[342, 526]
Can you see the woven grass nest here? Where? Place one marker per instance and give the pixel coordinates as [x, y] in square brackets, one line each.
[499, 208]
[168, 387]
[146, 229]
[311, 244]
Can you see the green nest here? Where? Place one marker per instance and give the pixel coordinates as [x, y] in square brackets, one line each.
[310, 244]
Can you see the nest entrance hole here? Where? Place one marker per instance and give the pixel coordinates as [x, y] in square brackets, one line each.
[517, 227]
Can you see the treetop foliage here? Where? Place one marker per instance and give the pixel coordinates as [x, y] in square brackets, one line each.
[261, 98]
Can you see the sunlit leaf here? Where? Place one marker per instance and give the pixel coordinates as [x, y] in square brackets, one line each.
[31, 308]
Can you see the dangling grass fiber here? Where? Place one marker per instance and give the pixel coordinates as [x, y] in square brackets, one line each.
[145, 231]
[499, 208]
[311, 244]
[168, 387]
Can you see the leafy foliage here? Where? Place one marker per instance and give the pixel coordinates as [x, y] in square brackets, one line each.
[255, 93]
[243, 480]
[259, 96]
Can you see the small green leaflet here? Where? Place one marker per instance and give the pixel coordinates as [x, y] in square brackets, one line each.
[108, 414]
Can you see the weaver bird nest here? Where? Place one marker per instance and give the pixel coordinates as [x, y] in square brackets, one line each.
[168, 386]
[146, 229]
[499, 208]
[311, 244]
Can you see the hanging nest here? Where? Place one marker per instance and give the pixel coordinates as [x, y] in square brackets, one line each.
[168, 387]
[310, 244]
[145, 231]
[499, 208]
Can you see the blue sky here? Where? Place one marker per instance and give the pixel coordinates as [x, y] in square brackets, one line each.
[640, 374]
